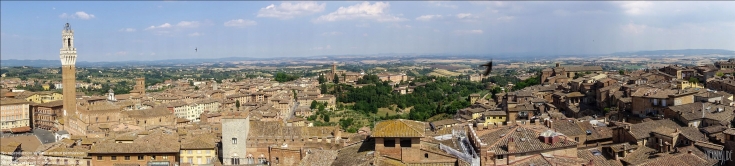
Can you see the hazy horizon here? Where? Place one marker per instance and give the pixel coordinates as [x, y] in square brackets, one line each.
[147, 31]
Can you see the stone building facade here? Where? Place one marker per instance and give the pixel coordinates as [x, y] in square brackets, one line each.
[234, 141]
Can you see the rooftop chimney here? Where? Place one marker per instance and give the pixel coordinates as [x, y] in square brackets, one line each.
[511, 145]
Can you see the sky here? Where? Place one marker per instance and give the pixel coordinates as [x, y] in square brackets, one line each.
[150, 30]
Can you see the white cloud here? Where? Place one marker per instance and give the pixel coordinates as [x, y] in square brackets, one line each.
[288, 10]
[240, 23]
[463, 32]
[365, 10]
[333, 33]
[506, 18]
[323, 48]
[121, 53]
[466, 16]
[635, 7]
[428, 17]
[188, 24]
[164, 25]
[635, 28]
[127, 30]
[182, 24]
[80, 15]
[195, 34]
[441, 4]
[400, 26]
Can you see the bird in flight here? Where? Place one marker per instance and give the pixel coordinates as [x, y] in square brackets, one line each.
[489, 68]
[195, 49]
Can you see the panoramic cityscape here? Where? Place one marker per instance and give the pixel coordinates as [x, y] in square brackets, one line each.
[343, 83]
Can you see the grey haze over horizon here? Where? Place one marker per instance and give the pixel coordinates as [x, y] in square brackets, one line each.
[149, 31]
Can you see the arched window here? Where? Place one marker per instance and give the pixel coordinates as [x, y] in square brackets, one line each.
[426, 155]
[68, 42]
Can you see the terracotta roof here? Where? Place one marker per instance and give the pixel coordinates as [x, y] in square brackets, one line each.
[644, 129]
[399, 128]
[56, 103]
[713, 129]
[693, 134]
[445, 122]
[28, 143]
[11, 101]
[596, 132]
[8, 147]
[319, 157]
[597, 156]
[568, 127]
[693, 111]
[198, 143]
[159, 141]
[526, 140]
[533, 160]
[494, 113]
[639, 156]
[359, 154]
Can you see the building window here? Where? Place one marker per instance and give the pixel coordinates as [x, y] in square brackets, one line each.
[199, 152]
[389, 143]
[99, 157]
[235, 161]
[189, 151]
[113, 157]
[234, 140]
[165, 157]
[426, 155]
[140, 157]
[127, 157]
[153, 157]
[406, 142]
[500, 157]
[191, 160]
[576, 139]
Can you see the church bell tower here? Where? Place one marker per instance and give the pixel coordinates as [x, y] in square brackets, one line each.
[68, 56]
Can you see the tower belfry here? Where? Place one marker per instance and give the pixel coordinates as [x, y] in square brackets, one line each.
[68, 56]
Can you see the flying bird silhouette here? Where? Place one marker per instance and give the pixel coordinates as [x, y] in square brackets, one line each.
[488, 68]
[195, 49]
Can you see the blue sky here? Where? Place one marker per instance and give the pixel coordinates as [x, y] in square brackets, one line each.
[117, 31]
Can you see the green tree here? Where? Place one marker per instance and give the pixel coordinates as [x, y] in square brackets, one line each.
[693, 80]
[283, 77]
[621, 72]
[720, 74]
[314, 104]
[321, 107]
[345, 123]
[323, 89]
[336, 79]
[325, 117]
[237, 104]
[191, 82]
[322, 79]
[196, 88]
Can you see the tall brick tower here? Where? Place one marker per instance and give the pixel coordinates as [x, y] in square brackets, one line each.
[68, 55]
